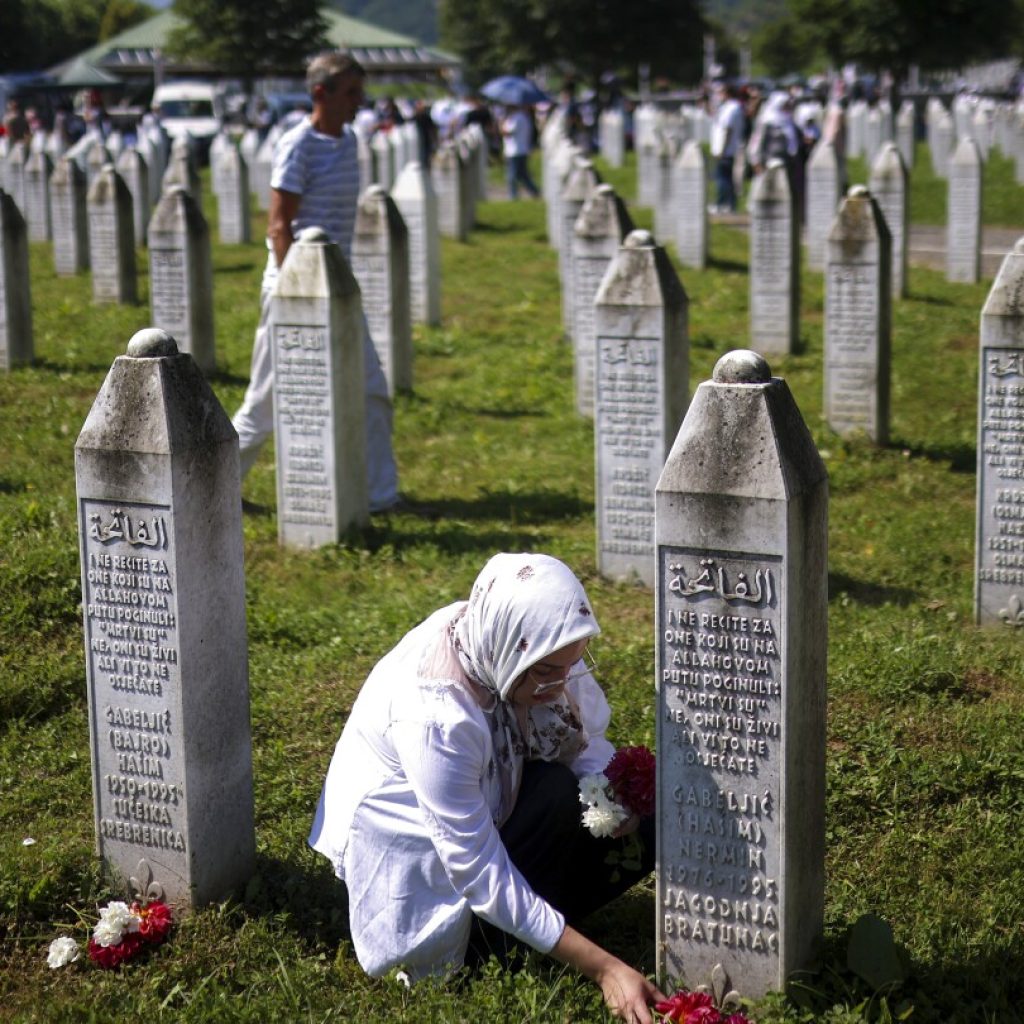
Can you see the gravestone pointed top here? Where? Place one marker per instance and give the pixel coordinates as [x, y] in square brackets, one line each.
[376, 189]
[150, 343]
[858, 192]
[742, 366]
[1019, 246]
[604, 189]
[309, 235]
[638, 239]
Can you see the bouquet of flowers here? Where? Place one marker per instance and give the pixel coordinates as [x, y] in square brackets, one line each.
[121, 933]
[625, 787]
[695, 1008]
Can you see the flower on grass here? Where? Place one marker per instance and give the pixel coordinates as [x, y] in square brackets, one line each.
[62, 951]
[116, 919]
[123, 931]
[695, 1008]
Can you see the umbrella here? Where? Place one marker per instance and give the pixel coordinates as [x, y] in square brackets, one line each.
[512, 90]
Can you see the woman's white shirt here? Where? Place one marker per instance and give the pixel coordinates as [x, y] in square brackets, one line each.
[408, 816]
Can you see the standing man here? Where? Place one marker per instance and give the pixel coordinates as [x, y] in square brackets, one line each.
[315, 183]
[726, 139]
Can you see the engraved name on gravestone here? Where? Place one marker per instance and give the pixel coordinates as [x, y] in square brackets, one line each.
[316, 324]
[16, 342]
[579, 184]
[70, 219]
[963, 231]
[690, 193]
[889, 187]
[181, 275]
[858, 318]
[741, 616]
[999, 559]
[37, 197]
[774, 263]
[380, 262]
[163, 590]
[600, 229]
[823, 195]
[641, 391]
[417, 203]
[111, 239]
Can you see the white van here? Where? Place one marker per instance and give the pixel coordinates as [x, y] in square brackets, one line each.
[194, 108]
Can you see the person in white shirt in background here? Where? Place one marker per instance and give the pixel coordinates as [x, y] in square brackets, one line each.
[451, 808]
[517, 135]
[727, 133]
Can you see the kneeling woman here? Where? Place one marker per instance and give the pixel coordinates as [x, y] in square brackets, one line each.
[451, 806]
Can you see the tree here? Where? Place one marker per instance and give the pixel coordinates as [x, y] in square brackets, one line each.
[784, 46]
[895, 34]
[248, 38]
[589, 36]
[122, 14]
[40, 33]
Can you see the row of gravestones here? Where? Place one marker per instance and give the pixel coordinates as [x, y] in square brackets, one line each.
[991, 125]
[629, 330]
[395, 257]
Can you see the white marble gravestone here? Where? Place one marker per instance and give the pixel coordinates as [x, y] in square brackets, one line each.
[414, 196]
[364, 157]
[690, 200]
[872, 134]
[645, 145]
[131, 165]
[641, 389]
[380, 262]
[111, 239]
[774, 263]
[889, 185]
[181, 170]
[557, 169]
[823, 195]
[942, 142]
[664, 198]
[260, 170]
[163, 598]
[981, 131]
[963, 214]
[17, 158]
[740, 654]
[856, 116]
[612, 134]
[233, 216]
[905, 136]
[96, 157]
[181, 275]
[380, 146]
[579, 185]
[447, 176]
[16, 343]
[601, 227]
[70, 219]
[316, 330]
[37, 197]
[999, 558]
[858, 319]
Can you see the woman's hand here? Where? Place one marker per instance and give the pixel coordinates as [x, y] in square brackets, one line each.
[628, 994]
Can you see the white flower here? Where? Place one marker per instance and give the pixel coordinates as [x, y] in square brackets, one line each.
[115, 920]
[62, 951]
[592, 788]
[28, 841]
[604, 818]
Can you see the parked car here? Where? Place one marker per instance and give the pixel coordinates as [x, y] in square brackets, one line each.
[193, 108]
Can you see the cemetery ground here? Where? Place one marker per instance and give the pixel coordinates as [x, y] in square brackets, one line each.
[925, 768]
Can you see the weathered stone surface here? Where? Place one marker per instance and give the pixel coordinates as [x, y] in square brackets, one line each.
[182, 171]
[316, 325]
[690, 199]
[664, 198]
[181, 275]
[380, 262]
[905, 134]
[37, 197]
[963, 214]
[641, 390]
[233, 217]
[823, 196]
[131, 165]
[163, 595]
[858, 318]
[448, 179]
[774, 263]
[999, 558]
[417, 203]
[111, 239]
[612, 135]
[70, 219]
[889, 185]
[741, 601]
[579, 186]
[600, 229]
[16, 342]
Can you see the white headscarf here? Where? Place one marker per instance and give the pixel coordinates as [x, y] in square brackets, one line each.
[522, 608]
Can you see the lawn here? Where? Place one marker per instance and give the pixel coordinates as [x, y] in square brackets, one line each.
[925, 770]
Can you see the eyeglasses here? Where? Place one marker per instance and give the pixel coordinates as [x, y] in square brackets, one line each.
[589, 666]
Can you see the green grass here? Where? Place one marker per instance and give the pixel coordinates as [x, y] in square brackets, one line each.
[926, 756]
